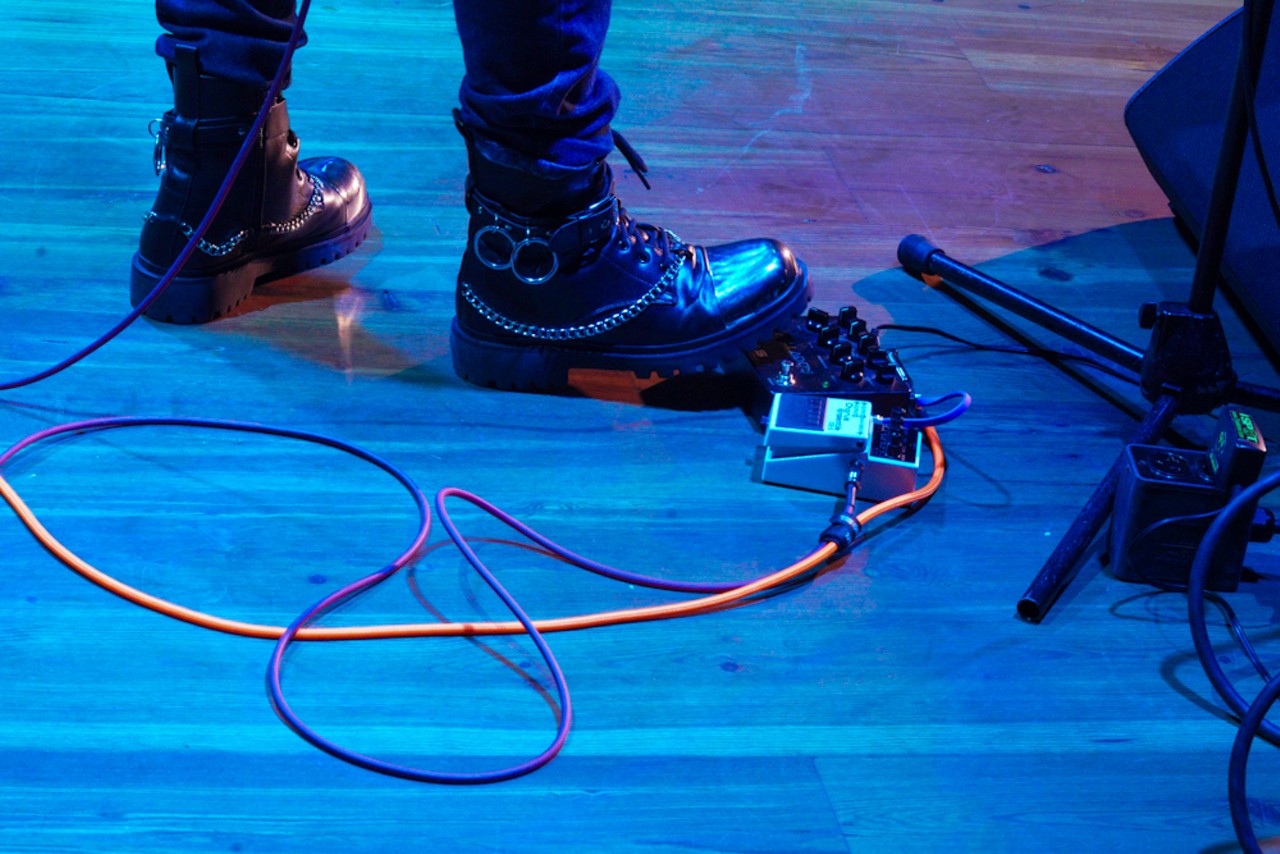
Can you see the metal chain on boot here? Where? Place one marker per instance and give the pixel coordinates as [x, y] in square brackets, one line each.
[315, 204]
[586, 330]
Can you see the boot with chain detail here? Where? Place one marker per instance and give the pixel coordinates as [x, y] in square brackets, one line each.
[281, 217]
[557, 276]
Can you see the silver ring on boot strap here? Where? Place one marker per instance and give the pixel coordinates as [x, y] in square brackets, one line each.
[566, 237]
[507, 257]
[159, 158]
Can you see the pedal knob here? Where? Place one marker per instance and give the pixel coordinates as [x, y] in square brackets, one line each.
[816, 320]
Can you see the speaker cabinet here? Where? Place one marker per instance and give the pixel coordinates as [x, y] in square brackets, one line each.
[1177, 122]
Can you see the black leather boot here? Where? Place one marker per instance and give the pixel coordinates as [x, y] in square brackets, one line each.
[281, 217]
[556, 276]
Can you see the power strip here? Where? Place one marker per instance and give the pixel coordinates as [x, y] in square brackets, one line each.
[830, 397]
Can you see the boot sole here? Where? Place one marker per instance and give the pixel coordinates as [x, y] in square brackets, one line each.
[544, 367]
[200, 299]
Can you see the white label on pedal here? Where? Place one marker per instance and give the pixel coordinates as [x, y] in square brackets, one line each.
[847, 417]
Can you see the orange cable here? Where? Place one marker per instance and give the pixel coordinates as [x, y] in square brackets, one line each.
[560, 624]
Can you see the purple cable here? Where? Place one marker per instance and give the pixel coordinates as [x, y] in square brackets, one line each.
[563, 553]
[405, 772]
[294, 722]
[274, 668]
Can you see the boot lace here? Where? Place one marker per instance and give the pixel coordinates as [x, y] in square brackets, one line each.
[643, 237]
[649, 240]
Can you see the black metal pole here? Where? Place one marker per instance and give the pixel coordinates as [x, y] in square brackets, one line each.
[921, 257]
[1058, 571]
[1226, 179]
[1255, 396]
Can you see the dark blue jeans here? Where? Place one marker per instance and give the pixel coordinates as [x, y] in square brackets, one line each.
[533, 91]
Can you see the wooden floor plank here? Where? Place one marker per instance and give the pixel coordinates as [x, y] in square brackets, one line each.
[892, 703]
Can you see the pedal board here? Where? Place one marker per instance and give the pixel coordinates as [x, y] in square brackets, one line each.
[828, 396]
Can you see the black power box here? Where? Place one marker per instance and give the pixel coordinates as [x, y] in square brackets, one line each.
[1167, 498]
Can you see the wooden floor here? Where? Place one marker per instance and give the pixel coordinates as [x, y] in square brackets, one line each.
[894, 704]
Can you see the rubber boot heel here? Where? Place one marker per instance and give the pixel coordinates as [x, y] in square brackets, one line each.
[188, 299]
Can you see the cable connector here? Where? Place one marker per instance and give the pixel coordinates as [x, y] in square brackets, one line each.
[1264, 526]
[845, 527]
[843, 532]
